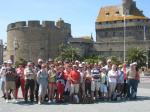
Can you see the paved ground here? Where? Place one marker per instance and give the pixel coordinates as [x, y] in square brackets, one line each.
[140, 105]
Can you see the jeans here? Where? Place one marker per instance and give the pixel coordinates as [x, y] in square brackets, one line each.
[132, 88]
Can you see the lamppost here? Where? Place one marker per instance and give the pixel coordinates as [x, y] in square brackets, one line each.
[15, 42]
[146, 47]
[124, 39]
[15, 48]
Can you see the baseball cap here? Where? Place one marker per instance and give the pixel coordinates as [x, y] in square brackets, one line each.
[80, 65]
[40, 60]
[9, 62]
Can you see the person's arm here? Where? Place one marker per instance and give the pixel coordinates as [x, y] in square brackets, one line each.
[1, 72]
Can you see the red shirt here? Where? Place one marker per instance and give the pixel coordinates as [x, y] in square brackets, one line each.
[66, 74]
[75, 76]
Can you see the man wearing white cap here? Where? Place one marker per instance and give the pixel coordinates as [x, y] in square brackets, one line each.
[82, 79]
[29, 81]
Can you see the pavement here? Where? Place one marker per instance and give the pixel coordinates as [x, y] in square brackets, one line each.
[139, 105]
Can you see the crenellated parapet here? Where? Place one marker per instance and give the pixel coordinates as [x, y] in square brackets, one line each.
[35, 23]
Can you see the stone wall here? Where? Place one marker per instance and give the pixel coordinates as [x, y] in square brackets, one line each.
[117, 48]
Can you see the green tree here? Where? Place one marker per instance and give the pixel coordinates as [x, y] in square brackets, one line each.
[20, 61]
[115, 60]
[67, 52]
[137, 55]
[94, 59]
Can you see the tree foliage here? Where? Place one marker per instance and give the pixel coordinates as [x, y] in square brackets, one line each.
[20, 61]
[137, 55]
[67, 52]
[94, 59]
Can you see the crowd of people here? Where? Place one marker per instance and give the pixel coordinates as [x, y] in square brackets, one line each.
[74, 82]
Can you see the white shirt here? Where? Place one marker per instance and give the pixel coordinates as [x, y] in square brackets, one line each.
[2, 73]
[112, 76]
[81, 76]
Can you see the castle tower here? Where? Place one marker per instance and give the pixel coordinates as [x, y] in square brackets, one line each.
[34, 39]
[126, 6]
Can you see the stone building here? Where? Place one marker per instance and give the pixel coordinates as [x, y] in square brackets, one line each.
[1, 52]
[116, 23]
[84, 44]
[32, 40]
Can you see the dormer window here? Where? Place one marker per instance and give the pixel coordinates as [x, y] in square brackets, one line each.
[117, 12]
[107, 14]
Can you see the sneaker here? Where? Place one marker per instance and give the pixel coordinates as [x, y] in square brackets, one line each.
[7, 101]
[49, 101]
[39, 103]
[14, 100]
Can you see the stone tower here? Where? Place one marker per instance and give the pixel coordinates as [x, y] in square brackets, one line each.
[126, 6]
[34, 39]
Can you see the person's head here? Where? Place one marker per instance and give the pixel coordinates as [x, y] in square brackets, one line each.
[9, 63]
[68, 67]
[109, 62]
[81, 67]
[60, 63]
[50, 61]
[43, 66]
[114, 67]
[61, 68]
[100, 64]
[95, 65]
[30, 64]
[120, 67]
[40, 61]
[133, 66]
[5, 63]
[20, 65]
[75, 67]
[103, 69]
[77, 62]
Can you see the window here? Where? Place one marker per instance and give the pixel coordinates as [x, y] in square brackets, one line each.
[114, 33]
[107, 14]
[117, 12]
[106, 34]
[107, 22]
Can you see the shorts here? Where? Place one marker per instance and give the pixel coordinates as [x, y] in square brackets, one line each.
[74, 89]
[103, 88]
[52, 86]
[10, 85]
[42, 89]
[95, 85]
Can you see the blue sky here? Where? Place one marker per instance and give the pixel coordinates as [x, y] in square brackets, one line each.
[81, 14]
